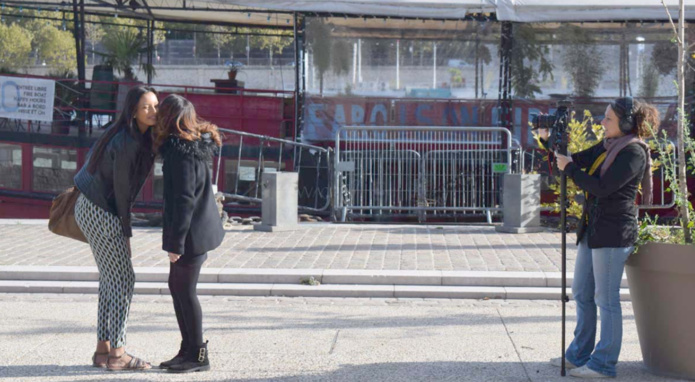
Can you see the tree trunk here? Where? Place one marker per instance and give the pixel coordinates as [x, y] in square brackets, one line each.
[682, 180]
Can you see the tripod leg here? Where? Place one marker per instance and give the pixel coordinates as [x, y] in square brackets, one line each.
[563, 226]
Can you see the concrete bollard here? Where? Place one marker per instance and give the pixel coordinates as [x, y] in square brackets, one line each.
[521, 201]
[279, 209]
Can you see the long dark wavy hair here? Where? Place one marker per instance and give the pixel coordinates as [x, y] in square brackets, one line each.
[125, 121]
[177, 117]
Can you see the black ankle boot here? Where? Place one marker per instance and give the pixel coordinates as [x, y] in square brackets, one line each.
[195, 360]
[180, 357]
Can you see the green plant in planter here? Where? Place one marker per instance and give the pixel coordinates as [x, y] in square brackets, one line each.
[234, 67]
[661, 271]
[122, 48]
[649, 231]
[649, 228]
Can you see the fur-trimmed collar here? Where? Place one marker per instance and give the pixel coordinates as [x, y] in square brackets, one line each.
[202, 149]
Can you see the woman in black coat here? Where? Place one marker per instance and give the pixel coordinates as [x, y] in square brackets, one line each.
[610, 174]
[192, 222]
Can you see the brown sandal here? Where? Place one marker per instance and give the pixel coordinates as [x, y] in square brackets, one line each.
[135, 363]
[101, 365]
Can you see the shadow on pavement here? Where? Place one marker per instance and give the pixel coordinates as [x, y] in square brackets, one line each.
[458, 371]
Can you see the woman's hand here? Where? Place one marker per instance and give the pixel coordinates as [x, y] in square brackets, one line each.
[544, 134]
[174, 257]
[562, 161]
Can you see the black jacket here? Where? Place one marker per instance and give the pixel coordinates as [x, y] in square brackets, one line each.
[609, 216]
[192, 222]
[119, 176]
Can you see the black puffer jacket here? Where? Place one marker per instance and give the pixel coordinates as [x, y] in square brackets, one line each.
[609, 216]
[119, 176]
[192, 223]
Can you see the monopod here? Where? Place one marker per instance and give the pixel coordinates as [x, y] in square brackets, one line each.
[557, 142]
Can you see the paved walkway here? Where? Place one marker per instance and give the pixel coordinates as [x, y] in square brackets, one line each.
[51, 337]
[317, 246]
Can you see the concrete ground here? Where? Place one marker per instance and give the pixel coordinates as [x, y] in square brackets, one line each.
[316, 246]
[48, 337]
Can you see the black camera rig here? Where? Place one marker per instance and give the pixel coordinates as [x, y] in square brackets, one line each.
[557, 143]
[557, 125]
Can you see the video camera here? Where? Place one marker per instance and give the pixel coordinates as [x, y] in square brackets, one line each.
[557, 125]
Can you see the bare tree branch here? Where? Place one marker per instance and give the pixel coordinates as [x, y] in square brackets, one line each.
[675, 30]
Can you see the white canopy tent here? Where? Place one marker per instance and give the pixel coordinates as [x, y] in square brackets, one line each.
[428, 9]
[588, 10]
[279, 13]
[273, 13]
[507, 10]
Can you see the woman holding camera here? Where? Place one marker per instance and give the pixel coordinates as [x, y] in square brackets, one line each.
[610, 174]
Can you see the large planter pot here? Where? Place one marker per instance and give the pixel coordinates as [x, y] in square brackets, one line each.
[662, 286]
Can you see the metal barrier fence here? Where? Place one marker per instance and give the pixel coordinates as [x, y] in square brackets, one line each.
[250, 155]
[420, 172]
[662, 191]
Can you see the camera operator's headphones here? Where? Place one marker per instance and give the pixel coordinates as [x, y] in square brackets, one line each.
[627, 121]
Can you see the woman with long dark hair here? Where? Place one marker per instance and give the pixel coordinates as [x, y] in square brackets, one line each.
[614, 171]
[116, 169]
[192, 222]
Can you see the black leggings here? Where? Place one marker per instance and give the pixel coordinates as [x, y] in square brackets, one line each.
[183, 279]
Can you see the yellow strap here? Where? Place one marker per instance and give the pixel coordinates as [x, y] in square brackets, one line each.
[597, 163]
[592, 170]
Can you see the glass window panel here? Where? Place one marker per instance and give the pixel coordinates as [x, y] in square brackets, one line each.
[10, 166]
[54, 169]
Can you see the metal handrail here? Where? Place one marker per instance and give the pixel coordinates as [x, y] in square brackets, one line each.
[260, 166]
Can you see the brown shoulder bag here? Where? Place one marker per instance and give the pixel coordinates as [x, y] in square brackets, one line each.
[61, 220]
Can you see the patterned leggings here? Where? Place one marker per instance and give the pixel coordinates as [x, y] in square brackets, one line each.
[116, 276]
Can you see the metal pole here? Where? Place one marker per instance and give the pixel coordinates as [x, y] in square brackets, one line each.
[434, 65]
[150, 46]
[359, 60]
[398, 64]
[477, 59]
[298, 32]
[248, 50]
[354, 63]
[82, 40]
[78, 18]
[563, 225]
[505, 81]
[297, 57]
